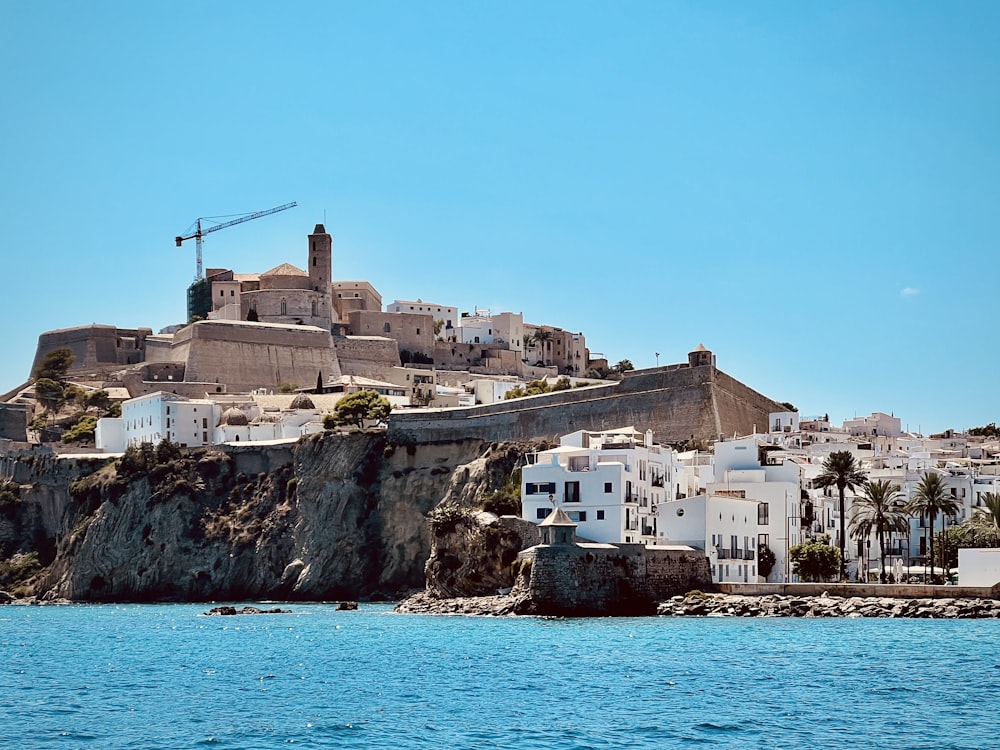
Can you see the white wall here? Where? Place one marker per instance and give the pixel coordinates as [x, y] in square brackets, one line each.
[978, 567]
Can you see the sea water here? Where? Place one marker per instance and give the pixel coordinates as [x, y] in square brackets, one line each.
[167, 676]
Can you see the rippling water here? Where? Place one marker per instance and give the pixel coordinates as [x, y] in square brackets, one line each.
[164, 676]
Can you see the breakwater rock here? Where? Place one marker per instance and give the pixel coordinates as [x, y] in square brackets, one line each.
[499, 605]
[729, 605]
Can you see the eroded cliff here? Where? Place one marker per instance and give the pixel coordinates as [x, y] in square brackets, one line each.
[334, 516]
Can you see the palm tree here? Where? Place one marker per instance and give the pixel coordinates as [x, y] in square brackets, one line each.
[879, 510]
[932, 498]
[841, 470]
[540, 337]
[984, 524]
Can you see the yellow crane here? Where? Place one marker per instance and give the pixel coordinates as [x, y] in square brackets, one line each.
[199, 232]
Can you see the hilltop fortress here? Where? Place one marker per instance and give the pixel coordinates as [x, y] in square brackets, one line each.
[296, 329]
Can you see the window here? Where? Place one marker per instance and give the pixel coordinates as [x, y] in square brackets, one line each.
[607, 487]
[418, 331]
[204, 423]
[762, 514]
[386, 328]
[572, 492]
[542, 513]
[577, 516]
[600, 515]
[284, 307]
[539, 488]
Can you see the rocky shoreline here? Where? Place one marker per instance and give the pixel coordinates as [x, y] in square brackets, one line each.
[697, 604]
[775, 605]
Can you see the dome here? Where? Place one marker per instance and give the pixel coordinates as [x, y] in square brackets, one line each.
[302, 401]
[234, 417]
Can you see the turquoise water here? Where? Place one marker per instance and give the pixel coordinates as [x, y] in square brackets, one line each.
[164, 676]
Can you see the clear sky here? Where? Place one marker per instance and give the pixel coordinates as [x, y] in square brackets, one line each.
[812, 190]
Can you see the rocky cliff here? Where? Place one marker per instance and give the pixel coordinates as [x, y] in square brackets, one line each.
[334, 516]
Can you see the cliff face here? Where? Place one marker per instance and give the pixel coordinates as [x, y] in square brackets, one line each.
[336, 516]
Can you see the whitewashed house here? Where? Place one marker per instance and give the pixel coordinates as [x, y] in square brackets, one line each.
[609, 483]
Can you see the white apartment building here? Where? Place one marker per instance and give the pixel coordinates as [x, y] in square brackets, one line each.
[609, 483]
[743, 471]
[166, 416]
[724, 527]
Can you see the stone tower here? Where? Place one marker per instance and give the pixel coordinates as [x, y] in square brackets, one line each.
[700, 357]
[320, 260]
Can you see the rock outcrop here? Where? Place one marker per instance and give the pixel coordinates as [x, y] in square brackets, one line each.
[334, 517]
[729, 605]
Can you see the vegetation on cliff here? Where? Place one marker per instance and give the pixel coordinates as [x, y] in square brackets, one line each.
[333, 516]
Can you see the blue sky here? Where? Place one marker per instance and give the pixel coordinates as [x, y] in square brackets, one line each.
[812, 190]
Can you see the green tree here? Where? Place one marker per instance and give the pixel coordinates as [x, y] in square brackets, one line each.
[765, 560]
[815, 560]
[989, 430]
[438, 327]
[983, 527]
[82, 431]
[623, 366]
[542, 337]
[50, 393]
[355, 408]
[878, 509]
[55, 364]
[841, 470]
[100, 401]
[932, 499]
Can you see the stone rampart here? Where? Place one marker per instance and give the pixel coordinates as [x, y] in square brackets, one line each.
[366, 356]
[14, 422]
[677, 403]
[576, 579]
[245, 356]
[96, 348]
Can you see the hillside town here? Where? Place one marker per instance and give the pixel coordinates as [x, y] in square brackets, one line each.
[750, 500]
[268, 358]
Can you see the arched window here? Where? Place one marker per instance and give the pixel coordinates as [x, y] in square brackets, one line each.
[284, 307]
[387, 328]
[314, 306]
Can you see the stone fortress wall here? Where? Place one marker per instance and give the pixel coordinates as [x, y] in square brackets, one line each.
[243, 356]
[96, 348]
[677, 403]
[579, 579]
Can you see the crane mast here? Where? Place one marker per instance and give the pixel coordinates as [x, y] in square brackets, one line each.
[199, 233]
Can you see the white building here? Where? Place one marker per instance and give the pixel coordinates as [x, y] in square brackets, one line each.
[724, 527]
[167, 416]
[609, 483]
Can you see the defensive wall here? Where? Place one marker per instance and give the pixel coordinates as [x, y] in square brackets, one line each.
[14, 422]
[96, 348]
[676, 402]
[244, 356]
[366, 356]
[582, 579]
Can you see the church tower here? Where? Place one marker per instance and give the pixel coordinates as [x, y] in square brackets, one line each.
[320, 260]
[321, 273]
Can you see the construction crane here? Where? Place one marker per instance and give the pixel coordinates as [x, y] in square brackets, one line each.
[199, 233]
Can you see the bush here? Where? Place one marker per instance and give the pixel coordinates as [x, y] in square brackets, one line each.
[355, 408]
[83, 431]
[815, 561]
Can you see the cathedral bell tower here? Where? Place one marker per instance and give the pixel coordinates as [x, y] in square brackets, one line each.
[321, 276]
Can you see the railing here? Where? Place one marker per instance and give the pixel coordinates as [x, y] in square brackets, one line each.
[735, 554]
